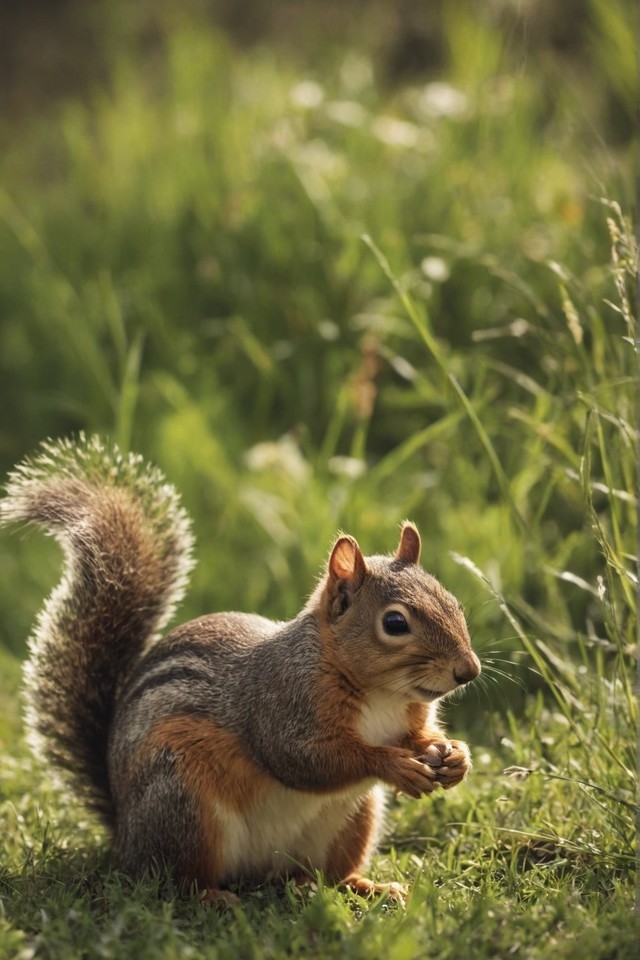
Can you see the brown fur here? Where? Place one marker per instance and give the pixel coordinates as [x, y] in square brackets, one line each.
[213, 763]
[353, 845]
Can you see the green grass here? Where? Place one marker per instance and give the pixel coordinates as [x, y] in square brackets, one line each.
[319, 302]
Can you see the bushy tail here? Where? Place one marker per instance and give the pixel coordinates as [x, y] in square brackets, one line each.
[127, 546]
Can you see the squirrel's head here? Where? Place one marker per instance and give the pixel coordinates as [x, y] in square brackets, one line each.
[391, 626]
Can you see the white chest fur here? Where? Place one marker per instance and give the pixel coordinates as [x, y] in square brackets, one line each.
[287, 828]
[383, 719]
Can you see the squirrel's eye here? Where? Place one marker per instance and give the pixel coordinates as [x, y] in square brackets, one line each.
[395, 623]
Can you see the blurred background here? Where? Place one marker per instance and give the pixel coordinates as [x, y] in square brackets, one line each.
[331, 265]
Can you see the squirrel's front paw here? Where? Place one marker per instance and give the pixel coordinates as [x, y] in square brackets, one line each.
[411, 775]
[450, 760]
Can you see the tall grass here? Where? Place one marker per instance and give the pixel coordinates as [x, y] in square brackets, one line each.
[320, 304]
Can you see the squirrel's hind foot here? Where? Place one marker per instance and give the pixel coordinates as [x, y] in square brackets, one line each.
[220, 900]
[367, 888]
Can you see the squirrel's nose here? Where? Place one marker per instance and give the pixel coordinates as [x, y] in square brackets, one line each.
[466, 670]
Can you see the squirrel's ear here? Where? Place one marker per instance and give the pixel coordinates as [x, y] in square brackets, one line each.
[409, 546]
[346, 562]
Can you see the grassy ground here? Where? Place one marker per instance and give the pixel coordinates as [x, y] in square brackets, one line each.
[319, 301]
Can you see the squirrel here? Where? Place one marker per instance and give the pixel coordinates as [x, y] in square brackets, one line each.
[235, 748]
